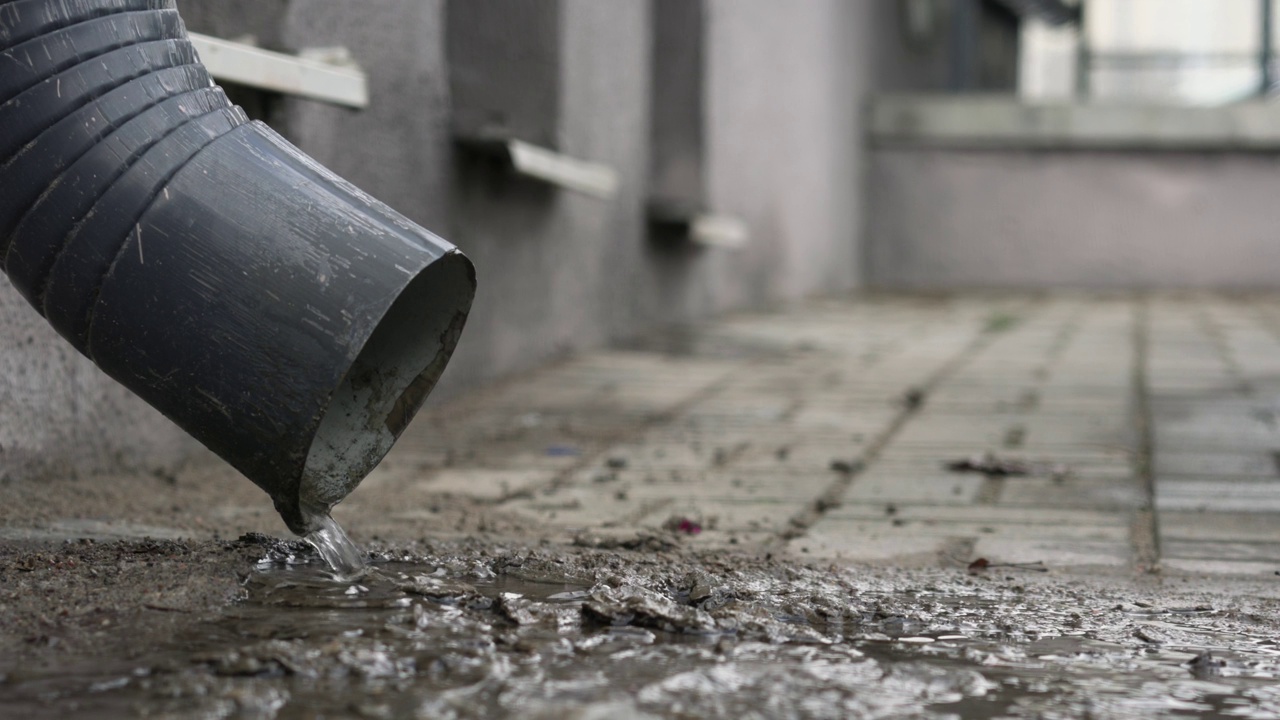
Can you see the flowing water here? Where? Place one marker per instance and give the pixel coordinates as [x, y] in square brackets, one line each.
[330, 540]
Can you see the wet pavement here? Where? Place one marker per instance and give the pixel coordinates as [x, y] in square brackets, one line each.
[1000, 506]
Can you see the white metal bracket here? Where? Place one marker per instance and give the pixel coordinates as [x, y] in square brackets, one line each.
[692, 223]
[718, 231]
[549, 166]
[342, 84]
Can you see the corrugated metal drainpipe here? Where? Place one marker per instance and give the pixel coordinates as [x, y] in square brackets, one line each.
[288, 321]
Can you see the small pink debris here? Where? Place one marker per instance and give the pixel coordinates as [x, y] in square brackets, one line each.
[685, 525]
[682, 524]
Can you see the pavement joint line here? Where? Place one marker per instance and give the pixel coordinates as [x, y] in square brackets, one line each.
[645, 509]
[1266, 319]
[958, 550]
[1062, 340]
[993, 485]
[915, 398]
[1144, 530]
[1220, 345]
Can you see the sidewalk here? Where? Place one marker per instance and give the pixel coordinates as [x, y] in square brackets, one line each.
[793, 511]
[826, 431]
[1140, 434]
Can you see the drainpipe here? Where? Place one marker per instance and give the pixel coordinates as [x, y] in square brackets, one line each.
[965, 19]
[287, 320]
[1084, 63]
[1266, 54]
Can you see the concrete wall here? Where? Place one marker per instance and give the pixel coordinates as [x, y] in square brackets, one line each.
[946, 218]
[557, 271]
[985, 192]
[677, 111]
[560, 271]
[61, 415]
[785, 88]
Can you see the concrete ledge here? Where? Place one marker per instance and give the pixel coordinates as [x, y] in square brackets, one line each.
[1002, 122]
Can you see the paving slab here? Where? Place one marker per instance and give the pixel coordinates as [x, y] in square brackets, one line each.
[1217, 526]
[791, 464]
[782, 428]
[1227, 494]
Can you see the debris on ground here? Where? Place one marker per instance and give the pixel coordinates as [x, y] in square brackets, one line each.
[1149, 636]
[639, 607]
[650, 542]
[841, 465]
[989, 464]
[687, 526]
[913, 398]
[992, 465]
[982, 564]
[1205, 665]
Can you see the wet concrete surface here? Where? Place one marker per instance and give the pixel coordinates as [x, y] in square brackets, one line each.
[470, 629]
[954, 506]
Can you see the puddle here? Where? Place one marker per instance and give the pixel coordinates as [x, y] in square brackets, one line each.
[493, 633]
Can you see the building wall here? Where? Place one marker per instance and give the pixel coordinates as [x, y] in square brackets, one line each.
[61, 415]
[954, 218]
[989, 192]
[558, 271]
[1173, 51]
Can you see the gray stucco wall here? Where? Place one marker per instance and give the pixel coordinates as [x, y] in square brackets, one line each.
[61, 415]
[953, 218]
[787, 81]
[560, 271]
[557, 271]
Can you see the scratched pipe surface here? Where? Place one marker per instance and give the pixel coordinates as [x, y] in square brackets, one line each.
[288, 321]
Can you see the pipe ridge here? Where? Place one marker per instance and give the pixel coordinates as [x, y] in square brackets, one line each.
[70, 62]
[91, 308]
[17, 155]
[75, 230]
[50, 24]
[66, 160]
[181, 48]
[7, 240]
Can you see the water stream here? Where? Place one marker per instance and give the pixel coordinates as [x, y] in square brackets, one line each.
[329, 539]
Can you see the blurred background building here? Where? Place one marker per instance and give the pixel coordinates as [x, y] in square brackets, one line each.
[1169, 51]
[1136, 149]
[616, 166]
